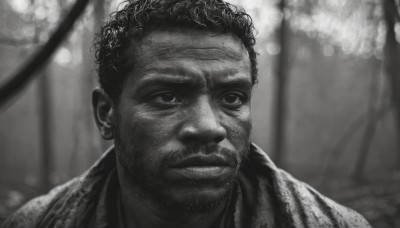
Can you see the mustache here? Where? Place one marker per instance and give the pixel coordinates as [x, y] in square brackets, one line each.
[224, 155]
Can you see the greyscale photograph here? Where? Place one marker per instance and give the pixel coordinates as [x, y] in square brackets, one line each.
[200, 113]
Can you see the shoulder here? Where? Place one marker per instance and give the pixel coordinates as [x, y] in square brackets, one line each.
[31, 213]
[313, 207]
[297, 203]
[71, 204]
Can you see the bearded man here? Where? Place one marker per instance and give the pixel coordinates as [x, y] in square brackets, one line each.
[176, 81]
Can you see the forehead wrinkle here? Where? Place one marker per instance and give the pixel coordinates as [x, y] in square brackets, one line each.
[179, 74]
[169, 79]
[168, 51]
[185, 74]
[189, 71]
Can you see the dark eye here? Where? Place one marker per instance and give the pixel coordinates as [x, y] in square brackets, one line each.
[233, 99]
[165, 98]
[168, 97]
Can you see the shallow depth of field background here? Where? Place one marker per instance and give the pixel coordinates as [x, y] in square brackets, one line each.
[339, 121]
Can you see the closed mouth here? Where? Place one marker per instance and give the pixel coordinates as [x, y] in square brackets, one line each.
[201, 161]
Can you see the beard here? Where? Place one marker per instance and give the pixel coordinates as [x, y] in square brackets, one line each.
[154, 184]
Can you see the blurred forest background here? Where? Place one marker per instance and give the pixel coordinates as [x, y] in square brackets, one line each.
[327, 106]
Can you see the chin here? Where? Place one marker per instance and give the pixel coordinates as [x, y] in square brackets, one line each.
[197, 199]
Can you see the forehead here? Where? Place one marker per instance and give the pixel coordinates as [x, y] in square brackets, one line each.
[205, 57]
[188, 43]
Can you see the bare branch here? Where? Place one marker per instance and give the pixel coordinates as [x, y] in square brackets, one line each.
[17, 82]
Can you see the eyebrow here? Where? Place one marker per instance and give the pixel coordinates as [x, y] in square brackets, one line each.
[240, 83]
[169, 51]
[191, 83]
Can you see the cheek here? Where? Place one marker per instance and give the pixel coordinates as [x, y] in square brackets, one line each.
[141, 139]
[238, 126]
[239, 133]
[141, 130]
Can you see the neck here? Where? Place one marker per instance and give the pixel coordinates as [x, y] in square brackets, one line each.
[141, 210]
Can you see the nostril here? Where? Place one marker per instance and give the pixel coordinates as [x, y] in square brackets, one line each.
[190, 134]
[219, 138]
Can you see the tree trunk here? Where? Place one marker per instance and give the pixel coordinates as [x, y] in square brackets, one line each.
[99, 18]
[392, 59]
[280, 109]
[94, 147]
[87, 141]
[370, 129]
[46, 119]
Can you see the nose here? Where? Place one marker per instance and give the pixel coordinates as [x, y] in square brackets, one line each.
[202, 125]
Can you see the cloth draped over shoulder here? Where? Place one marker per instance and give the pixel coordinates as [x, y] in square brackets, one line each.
[90, 201]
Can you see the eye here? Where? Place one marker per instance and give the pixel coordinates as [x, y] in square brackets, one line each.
[168, 97]
[233, 100]
[165, 98]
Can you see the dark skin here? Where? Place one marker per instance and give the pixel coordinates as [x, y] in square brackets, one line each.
[181, 127]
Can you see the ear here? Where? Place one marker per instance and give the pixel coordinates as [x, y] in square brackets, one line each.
[103, 109]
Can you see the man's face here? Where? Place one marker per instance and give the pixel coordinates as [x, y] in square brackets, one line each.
[183, 119]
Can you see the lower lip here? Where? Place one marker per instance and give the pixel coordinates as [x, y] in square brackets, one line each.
[199, 172]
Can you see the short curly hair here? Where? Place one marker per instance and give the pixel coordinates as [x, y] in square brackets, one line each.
[136, 18]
